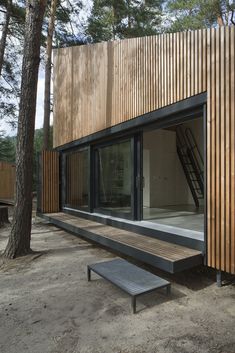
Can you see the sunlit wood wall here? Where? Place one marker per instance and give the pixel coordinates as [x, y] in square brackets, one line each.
[7, 180]
[101, 85]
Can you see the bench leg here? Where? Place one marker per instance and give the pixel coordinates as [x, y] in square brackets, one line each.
[168, 289]
[88, 274]
[133, 304]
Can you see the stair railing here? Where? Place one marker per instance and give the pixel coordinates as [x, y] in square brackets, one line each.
[192, 145]
[192, 162]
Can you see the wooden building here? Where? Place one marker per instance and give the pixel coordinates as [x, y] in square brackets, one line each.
[144, 134]
[7, 182]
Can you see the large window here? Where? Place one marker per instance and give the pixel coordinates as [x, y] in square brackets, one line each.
[102, 178]
[77, 179]
[114, 178]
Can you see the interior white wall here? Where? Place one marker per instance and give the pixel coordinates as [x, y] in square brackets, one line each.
[163, 174]
[165, 183]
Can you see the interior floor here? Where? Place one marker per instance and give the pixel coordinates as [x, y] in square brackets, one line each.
[180, 216]
[117, 209]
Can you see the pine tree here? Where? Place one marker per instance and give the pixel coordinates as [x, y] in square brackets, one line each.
[59, 24]
[48, 64]
[19, 240]
[196, 14]
[4, 32]
[12, 28]
[7, 148]
[112, 19]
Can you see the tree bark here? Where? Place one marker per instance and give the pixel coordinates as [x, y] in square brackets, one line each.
[220, 21]
[47, 90]
[4, 33]
[20, 236]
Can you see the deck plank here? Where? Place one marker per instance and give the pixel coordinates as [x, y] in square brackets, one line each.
[153, 247]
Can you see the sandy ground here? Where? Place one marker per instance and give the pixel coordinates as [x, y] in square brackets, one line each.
[47, 305]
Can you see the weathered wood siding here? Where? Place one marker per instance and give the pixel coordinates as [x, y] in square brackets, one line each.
[220, 149]
[7, 181]
[48, 193]
[101, 85]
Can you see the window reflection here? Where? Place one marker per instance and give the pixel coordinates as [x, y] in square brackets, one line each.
[114, 177]
[77, 179]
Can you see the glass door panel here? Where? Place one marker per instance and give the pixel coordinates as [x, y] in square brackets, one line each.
[77, 180]
[114, 167]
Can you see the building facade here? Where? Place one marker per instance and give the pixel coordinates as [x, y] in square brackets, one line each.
[144, 131]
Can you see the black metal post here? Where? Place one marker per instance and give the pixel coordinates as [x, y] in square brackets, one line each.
[88, 274]
[205, 180]
[133, 304]
[219, 278]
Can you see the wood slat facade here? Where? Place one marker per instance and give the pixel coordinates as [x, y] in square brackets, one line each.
[164, 255]
[102, 85]
[7, 181]
[48, 182]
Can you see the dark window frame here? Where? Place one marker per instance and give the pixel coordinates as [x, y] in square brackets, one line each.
[101, 210]
[184, 110]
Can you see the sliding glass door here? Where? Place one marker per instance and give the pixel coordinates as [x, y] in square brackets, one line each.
[77, 180]
[104, 178]
[114, 179]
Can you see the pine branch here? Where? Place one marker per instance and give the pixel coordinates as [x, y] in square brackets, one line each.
[68, 17]
[12, 87]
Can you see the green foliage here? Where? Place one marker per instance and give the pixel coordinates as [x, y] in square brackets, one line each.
[11, 73]
[10, 79]
[7, 148]
[112, 19]
[196, 14]
[67, 24]
[101, 22]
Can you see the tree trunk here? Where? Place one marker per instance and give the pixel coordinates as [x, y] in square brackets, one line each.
[4, 33]
[47, 90]
[19, 240]
[220, 21]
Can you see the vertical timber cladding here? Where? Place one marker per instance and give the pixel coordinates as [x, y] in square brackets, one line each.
[7, 180]
[101, 85]
[220, 149]
[49, 182]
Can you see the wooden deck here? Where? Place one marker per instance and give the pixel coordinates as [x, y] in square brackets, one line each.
[161, 254]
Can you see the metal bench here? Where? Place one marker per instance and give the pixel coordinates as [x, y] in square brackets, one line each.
[130, 278]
